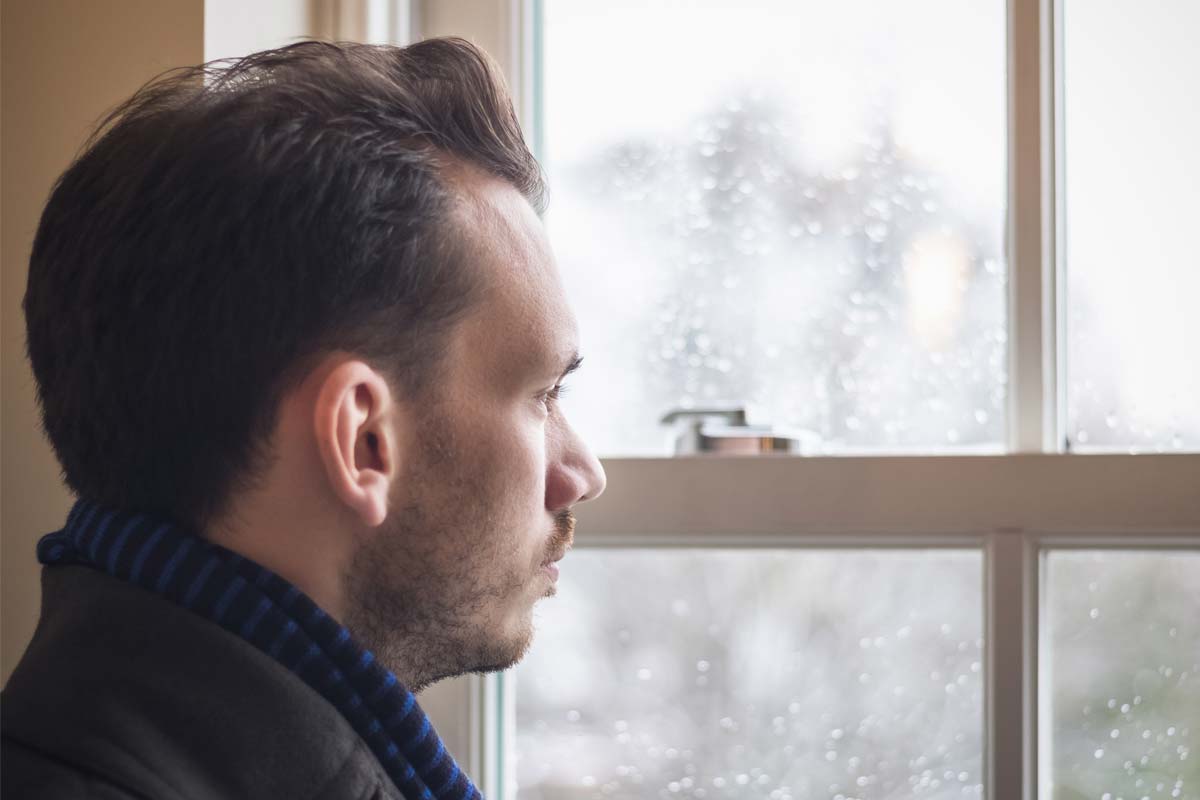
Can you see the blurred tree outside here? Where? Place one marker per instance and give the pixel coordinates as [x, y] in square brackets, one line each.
[866, 304]
[862, 304]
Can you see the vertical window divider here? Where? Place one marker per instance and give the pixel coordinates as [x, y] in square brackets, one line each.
[405, 21]
[1010, 636]
[1036, 391]
[1056, 181]
[1034, 404]
[491, 715]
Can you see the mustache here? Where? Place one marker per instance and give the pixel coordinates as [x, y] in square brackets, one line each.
[564, 535]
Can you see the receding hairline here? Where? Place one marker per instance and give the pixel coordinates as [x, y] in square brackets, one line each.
[472, 217]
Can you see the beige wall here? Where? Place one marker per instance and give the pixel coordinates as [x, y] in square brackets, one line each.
[63, 63]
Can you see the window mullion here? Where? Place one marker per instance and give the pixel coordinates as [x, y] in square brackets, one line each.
[492, 717]
[1034, 319]
[1035, 423]
[1011, 679]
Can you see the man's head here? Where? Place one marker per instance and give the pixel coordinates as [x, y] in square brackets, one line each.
[303, 303]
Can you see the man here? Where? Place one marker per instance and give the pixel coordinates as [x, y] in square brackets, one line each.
[298, 339]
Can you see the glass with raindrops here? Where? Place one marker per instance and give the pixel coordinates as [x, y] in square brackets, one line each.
[783, 674]
[1122, 659]
[795, 207]
[1132, 168]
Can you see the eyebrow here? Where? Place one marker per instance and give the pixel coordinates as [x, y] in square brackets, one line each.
[575, 363]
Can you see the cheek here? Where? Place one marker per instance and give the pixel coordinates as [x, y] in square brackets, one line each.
[512, 453]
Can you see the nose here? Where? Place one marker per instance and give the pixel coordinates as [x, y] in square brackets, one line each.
[594, 479]
[575, 474]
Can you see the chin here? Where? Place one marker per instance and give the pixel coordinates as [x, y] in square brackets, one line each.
[502, 655]
[481, 656]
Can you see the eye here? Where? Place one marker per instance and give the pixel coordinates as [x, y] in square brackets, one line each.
[551, 396]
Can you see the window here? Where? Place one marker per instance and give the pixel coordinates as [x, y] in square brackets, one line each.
[787, 206]
[1123, 657]
[933, 362]
[1131, 196]
[756, 673]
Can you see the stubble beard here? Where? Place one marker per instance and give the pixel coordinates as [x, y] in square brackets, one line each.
[422, 591]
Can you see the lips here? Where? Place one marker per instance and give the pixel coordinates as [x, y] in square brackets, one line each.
[550, 565]
[564, 535]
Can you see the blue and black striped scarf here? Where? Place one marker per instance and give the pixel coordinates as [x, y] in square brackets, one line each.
[252, 602]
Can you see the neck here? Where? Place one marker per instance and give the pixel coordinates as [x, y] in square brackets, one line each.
[304, 547]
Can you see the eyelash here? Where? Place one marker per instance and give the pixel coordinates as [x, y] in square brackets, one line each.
[555, 393]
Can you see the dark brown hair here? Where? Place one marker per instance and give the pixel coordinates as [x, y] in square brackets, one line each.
[232, 221]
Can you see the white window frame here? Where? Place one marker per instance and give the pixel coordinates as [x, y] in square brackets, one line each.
[997, 504]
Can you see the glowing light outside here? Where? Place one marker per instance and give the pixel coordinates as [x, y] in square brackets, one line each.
[935, 271]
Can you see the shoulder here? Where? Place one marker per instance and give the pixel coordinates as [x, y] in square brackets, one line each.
[360, 778]
[121, 684]
[27, 772]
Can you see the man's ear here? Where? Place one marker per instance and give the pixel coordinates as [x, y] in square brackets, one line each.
[355, 425]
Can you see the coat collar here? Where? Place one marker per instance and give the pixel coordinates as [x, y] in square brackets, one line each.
[122, 682]
[253, 603]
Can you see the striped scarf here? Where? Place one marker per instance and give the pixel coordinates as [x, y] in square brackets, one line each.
[254, 603]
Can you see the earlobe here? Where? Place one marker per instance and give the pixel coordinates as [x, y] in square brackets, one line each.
[353, 427]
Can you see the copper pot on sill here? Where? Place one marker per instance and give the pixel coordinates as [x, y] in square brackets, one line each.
[724, 431]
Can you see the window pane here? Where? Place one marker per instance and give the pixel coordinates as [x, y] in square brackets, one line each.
[755, 674]
[1124, 666]
[1133, 198]
[793, 206]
